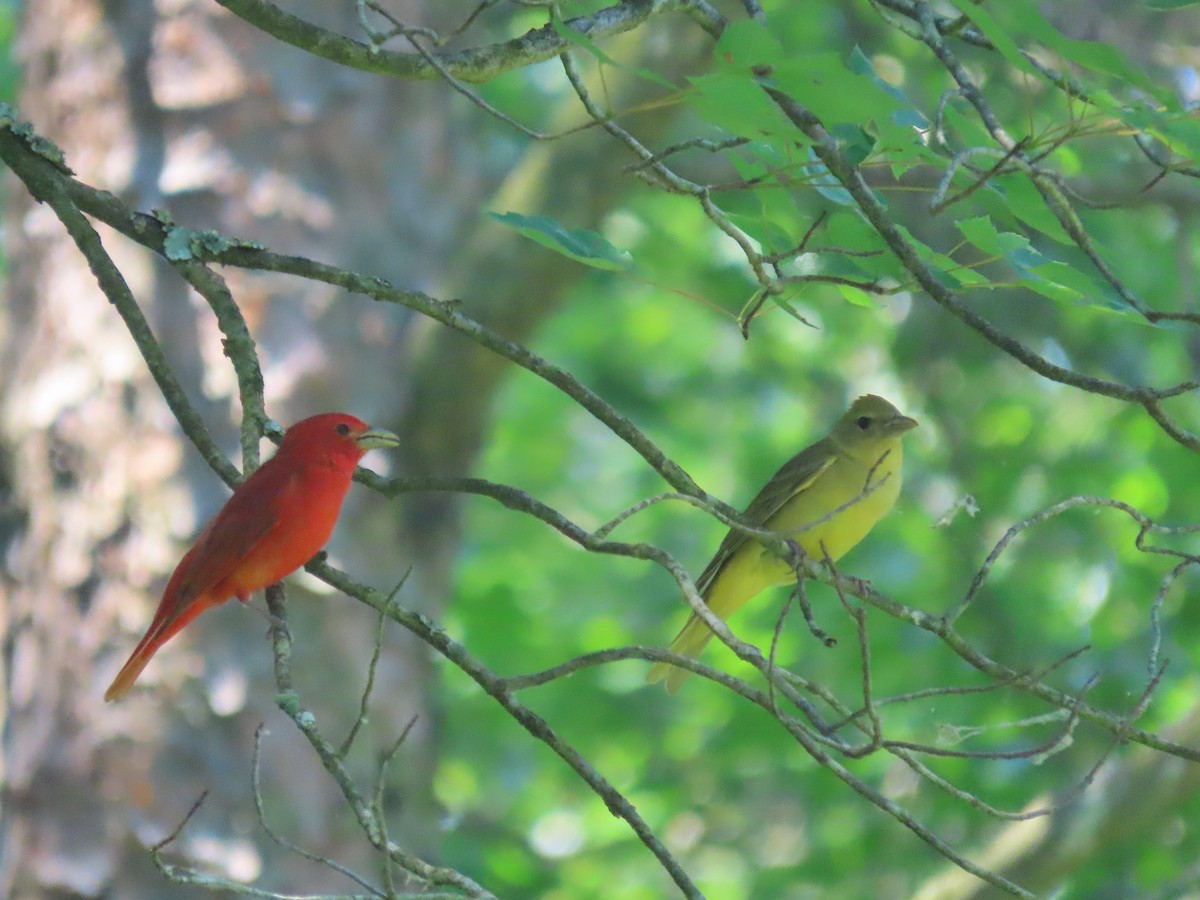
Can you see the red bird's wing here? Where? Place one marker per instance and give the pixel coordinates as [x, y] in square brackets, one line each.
[208, 573]
[244, 524]
[224, 545]
[201, 580]
[274, 522]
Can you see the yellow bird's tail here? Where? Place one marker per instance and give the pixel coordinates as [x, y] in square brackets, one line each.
[689, 642]
[726, 585]
[826, 498]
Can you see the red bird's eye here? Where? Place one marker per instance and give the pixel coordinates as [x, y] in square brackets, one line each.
[276, 520]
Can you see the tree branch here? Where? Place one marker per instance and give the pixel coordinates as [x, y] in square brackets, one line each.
[475, 65]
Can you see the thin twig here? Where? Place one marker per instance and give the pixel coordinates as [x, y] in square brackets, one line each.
[364, 699]
[260, 808]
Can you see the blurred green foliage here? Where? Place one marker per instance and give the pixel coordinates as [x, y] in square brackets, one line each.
[9, 73]
[747, 810]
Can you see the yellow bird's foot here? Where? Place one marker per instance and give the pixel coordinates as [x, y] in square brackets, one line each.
[859, 585]
[818, 632]
[796, 557]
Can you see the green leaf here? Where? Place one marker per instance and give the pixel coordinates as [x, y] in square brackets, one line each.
[997, 34]
[750, 169]
[1092, 55]
[1181, 134]
[586, 43]
[829, 187]
[906, 114]
[1059, 281]
[1023, 17]
[1170, 4]
[770, 236]
[858, 297]
[848, 230]
[583, 246]
[1067, 276]
[1051, 278]
[747, 44]
[734, 102]
[1051, 290]
[984, 235]
[963, 124]
[770, 154]
[826, 185]
[1016, 195]
[903, 155]
[833, 92]
[942, 265]
[855, 143]
[783, 304]
[863, 260]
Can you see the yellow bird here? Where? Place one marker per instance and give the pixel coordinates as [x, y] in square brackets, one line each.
[855, 470]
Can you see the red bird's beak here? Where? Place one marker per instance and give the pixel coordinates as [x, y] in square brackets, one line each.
[375, 438]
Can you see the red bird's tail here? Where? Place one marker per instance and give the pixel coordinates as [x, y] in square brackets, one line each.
[159, 633]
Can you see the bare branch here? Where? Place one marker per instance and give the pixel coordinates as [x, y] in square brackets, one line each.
[475, 65]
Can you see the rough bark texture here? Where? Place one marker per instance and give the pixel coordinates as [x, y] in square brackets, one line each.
[184, 107]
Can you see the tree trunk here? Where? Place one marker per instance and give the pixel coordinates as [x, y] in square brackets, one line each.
[194, 111]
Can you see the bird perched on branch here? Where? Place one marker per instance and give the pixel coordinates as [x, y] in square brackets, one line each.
[826, 499]
[275, 522]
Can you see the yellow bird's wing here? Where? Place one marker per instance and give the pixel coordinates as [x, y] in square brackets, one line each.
[793, 478]
[862, 450]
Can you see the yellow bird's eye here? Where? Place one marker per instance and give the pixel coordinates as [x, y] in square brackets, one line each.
[864, 422]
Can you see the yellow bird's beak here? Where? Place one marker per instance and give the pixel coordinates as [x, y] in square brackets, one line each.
[900, 424]
[376, 438]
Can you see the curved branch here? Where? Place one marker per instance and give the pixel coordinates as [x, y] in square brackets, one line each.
[289, 702]
[45, 181]
[240, 349]
[498, 689]
[41, 177]
[851, 179]
[938, 625]
[474, 65]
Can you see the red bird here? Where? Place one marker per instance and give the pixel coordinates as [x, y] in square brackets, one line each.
[274, 523]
